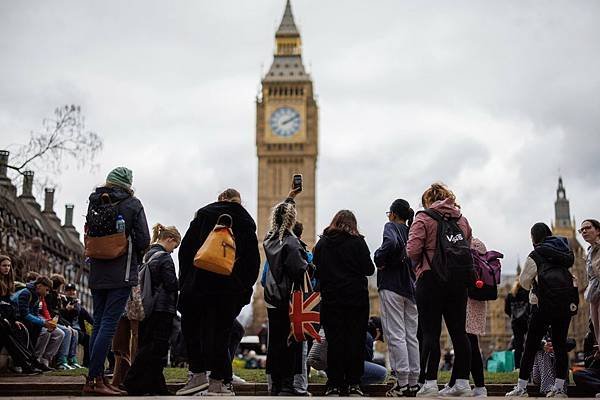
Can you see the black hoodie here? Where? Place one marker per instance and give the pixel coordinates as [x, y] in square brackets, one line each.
[343, 262]
[196, 283]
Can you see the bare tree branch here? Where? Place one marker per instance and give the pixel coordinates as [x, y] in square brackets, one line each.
[63, 139]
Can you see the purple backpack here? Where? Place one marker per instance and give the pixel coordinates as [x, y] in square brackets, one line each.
[487, 270]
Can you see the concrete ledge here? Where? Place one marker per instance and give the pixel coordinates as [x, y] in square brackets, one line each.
[16, 385]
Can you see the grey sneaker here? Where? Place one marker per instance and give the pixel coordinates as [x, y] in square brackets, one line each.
[196, 383]
[517, 392]
[217, 388]
[428, 391]
[479, 392]
[458, 391]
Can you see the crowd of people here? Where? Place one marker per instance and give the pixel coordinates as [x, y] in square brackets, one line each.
[425, 274]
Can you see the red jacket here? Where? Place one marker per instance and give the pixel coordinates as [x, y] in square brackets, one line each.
[422, 236]
[44, 310]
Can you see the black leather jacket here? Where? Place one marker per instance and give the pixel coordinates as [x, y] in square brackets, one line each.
[164, 280]
[287, 264]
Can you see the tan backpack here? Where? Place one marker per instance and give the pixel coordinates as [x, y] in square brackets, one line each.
[217, 254]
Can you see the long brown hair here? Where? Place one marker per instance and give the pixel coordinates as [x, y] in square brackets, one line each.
[7, 282]
[343, 221]
[436, 192]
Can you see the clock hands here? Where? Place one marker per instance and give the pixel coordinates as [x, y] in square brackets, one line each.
[287, 121]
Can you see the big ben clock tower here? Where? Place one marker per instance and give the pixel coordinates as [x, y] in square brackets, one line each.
[286, 137]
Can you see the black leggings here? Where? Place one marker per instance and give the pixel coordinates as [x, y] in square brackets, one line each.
[519, 328]
[538, 327]
[448, 300]
[476, 363]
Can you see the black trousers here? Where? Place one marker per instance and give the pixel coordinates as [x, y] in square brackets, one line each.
[346, 330]
[283, 360]
[206, 326]
[476, 363]
[538, 327]
[448, 300]
[519, 328]
[146, 372]
[16, 342]
[588, 381]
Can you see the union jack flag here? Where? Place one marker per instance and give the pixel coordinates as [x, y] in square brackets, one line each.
[305, 318]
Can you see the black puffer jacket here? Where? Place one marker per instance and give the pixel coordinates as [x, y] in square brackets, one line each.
[118, 273]
[164, 280]
[343, 263]
[196, 283]
[287, 264]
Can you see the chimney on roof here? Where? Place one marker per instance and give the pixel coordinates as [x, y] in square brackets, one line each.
[3, 163]
[49, 200]
[69, 215]
[27, 184]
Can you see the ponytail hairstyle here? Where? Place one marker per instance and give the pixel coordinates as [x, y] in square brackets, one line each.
[283, 218]
[161, 232]
[343, 221]
[539, 232]
[7, 282]
[402, 209]
[516, 286]
[436, 192]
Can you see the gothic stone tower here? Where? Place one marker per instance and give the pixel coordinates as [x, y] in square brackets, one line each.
[565, 226]
[286, 138]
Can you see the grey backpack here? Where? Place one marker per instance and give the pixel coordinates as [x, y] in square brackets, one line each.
[145, 279]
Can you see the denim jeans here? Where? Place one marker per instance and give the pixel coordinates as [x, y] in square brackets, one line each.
[68, 347]
[374, 374]
[109, 305]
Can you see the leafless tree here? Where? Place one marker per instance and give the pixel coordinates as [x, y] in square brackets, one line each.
[62, 140]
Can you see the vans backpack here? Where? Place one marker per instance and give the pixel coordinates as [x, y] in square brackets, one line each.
[101, 239]
[452, 256]
[555, 288]
[487, 271]
[145, 279]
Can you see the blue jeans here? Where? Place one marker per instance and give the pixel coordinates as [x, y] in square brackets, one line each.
[374, 374]
[109, 305]
[68, 347]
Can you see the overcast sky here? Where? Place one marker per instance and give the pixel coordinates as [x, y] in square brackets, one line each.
[493, 98]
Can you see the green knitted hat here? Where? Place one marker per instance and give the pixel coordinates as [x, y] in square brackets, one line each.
[120, 176]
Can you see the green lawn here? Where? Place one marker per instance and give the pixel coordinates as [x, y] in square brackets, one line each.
[258, 375]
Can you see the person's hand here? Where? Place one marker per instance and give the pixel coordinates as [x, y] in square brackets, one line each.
[70, 307]
[49, 324]
[548, 347]
[294, 192]
[20, 325]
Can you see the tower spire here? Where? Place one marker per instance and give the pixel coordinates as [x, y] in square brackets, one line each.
[562, 212]
[287, 27]
[287, 37]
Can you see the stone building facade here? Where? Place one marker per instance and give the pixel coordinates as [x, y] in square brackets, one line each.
[286, 139]
[35, 238]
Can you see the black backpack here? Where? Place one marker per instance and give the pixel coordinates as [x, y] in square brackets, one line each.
[452, 256]
[101, 217]
[554, 287]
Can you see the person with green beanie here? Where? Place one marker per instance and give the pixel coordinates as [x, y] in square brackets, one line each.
[111, 280]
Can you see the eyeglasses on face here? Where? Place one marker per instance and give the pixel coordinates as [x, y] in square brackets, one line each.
[584, 228]
[388, 213]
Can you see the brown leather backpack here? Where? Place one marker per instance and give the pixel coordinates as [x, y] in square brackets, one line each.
[217, 254]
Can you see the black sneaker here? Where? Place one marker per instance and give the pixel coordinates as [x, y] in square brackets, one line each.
[355, 391]
[332, 392]
[412, 391]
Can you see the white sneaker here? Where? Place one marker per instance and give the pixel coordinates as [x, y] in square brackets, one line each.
[557, 393]
[196, 383]
[237, 379]
[428, 391]
[480, 391]
[517, 392]
[445, 390]
[458, 391]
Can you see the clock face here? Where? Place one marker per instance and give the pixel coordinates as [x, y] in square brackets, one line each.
[285, 121]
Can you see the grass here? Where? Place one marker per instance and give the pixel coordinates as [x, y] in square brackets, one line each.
[258, 375]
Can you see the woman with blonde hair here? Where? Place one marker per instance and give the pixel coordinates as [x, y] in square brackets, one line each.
[286, 265]
[146, 372]
[444, 270]
[517, 307]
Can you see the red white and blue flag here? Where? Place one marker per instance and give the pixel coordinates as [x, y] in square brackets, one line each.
[305, 318]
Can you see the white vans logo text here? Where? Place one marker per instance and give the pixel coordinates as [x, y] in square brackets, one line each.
[454, 238]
